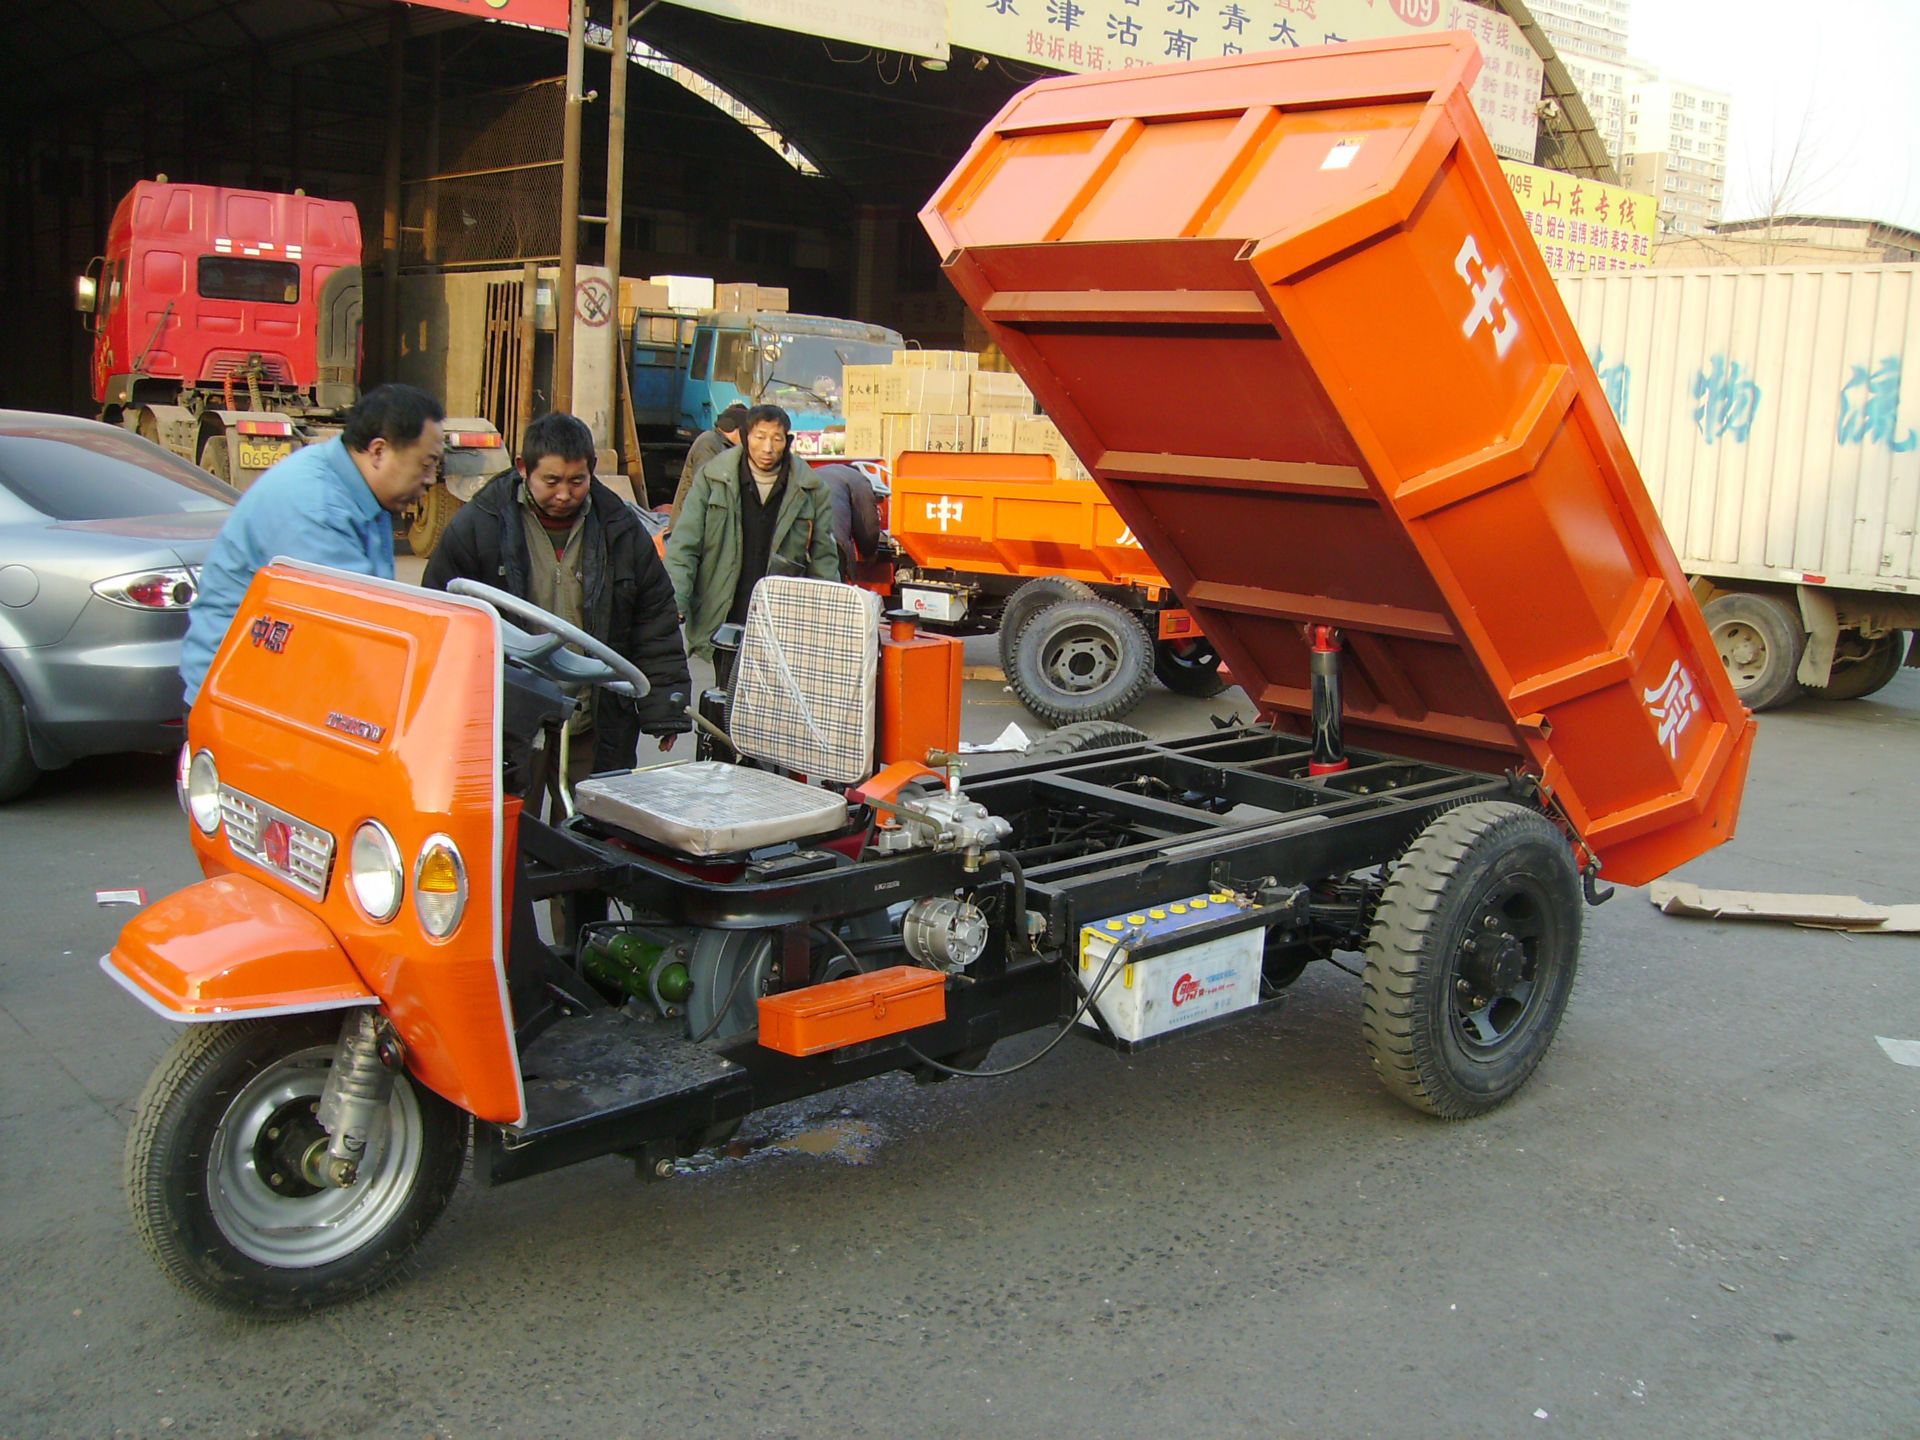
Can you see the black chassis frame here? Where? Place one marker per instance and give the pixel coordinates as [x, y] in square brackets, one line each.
[1232, 810]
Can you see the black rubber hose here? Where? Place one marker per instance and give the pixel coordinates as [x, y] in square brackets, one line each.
[1017, 938]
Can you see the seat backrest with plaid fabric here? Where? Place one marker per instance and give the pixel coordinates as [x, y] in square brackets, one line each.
[805, 683]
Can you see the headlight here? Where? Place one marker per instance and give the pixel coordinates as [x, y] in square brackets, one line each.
[373, 868]
[439, 886]
[203, 793]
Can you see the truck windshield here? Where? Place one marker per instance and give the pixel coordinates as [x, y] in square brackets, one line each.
[266, 282]
[806, 376]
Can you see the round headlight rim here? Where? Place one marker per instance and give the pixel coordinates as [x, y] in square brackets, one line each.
[396, 868]
[206, 826]
[182, 772]
[443, 841]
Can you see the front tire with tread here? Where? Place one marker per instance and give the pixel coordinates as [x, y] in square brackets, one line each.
[17, 770]
[1471, 958]
[222, 1113]
[1028, 601]
[1081, 660]
[1760, 640]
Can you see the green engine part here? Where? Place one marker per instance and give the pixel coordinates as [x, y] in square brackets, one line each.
[628, 963]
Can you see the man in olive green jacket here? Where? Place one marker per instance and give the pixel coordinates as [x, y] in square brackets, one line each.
[752, 511]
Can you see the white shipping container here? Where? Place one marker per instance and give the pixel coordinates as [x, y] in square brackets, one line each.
[1768, 412]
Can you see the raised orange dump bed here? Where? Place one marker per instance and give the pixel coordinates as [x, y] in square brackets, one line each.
[1012, 515]
[1286, 311]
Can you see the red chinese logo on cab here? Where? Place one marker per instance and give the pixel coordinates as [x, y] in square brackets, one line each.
[271, 633]
[1417, 12]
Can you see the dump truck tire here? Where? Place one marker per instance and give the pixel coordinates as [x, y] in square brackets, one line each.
[1028, 601]
[1471, 958]
[1081, 660]
[1871, 672]
[1760, 640]
[216, 460]
[1087, 735]
[430, 521]
[1189, 666]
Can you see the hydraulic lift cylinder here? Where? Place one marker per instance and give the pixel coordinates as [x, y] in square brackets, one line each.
[1329, 746]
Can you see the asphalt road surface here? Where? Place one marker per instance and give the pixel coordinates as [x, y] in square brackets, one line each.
[1697, 1220]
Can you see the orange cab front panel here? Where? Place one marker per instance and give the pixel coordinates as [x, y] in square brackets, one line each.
[1286, 311]
[339, 702]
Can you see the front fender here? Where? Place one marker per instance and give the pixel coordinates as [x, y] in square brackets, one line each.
[229, 948]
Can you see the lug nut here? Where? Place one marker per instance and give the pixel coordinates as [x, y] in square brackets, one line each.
[663, 1168]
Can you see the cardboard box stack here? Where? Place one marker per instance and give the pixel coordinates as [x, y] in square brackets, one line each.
[747, 297]
[942, 400]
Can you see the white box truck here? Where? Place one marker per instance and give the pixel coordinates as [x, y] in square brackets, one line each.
[1765, 409]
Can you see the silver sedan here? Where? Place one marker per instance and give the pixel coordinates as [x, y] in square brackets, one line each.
[101, 538]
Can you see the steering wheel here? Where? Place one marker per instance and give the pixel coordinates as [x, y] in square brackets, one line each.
[601, 664]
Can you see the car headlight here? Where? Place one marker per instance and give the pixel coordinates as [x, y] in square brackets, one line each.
[373, 869]
[439, 886]
[203, 792]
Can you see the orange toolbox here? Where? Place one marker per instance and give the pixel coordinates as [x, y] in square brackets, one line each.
[1286, 311]
[819, 1018]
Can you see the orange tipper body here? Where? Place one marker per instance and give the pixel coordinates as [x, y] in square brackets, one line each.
[335, 700]
[1287, 312]
[1012, 515]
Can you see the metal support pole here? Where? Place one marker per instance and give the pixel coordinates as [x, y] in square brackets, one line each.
[616, 202]
[430, 210]
[563, 302]
[1329, 746]
[390, 222]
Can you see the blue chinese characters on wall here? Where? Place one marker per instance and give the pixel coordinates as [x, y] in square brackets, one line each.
[1725, 401]
[1870, 408]
[1616, 382]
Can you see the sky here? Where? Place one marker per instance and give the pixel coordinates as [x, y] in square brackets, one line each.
[1837, 75]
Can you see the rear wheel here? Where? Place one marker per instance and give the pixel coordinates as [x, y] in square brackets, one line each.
[1760, 640]
[1081, 660]
[216, 460]
[1028, 601]
[1189, 665]
[218, 1190]
[17, 770]
[1471, 958]
[1863, 666]
[430, 521]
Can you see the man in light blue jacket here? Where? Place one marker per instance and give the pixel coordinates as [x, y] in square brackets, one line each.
[332, 504]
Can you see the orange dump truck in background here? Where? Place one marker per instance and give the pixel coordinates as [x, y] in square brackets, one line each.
[1368, 410]
[1002, 542]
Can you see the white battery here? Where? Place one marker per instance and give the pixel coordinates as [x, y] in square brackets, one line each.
[1144, 998]
[930, 603]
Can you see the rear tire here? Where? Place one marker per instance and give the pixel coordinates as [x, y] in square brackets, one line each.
[1874, 670]
[17, 770]
[1471, 958]
[430, 521]
[1087, 735]
[1081, 660]
[224, 1213]
[1028, 601]
[1189, 666]
[1760, 640]
[217, 460]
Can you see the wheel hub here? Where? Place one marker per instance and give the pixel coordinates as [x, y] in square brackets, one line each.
[285, 1147]
[1743, 649]
[1082, 662]
[1494, 978]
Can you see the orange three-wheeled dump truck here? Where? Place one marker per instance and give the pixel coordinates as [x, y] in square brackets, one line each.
[1420, 545]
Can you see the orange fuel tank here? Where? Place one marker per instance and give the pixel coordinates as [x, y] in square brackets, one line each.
[920, 679]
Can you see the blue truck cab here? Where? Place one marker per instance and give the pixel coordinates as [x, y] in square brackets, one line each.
[688, 368]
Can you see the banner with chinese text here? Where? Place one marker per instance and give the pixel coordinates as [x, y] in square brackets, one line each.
[543, 14]
[1582, 225]
[1088, 35]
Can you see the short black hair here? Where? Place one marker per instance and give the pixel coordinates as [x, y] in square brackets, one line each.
[564, 436]
[394, 413]
[761, 414]
[732, 420]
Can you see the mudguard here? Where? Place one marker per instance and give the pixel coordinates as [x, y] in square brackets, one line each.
[229, 948]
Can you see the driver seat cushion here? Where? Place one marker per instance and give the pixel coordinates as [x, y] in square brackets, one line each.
[710, 808]
[806, 681]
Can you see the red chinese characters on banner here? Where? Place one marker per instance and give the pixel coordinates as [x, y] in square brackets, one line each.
[547, 14]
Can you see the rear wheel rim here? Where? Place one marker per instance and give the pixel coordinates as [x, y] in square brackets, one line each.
[1743, 650]
[270, 1214]
[1496, 989]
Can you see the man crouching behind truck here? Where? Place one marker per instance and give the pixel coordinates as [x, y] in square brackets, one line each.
[332, 504]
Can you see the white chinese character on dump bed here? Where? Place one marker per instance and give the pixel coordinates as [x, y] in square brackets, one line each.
[1673, 703]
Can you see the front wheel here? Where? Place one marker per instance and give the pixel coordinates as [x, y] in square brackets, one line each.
[1471, 958]
[216, 1185]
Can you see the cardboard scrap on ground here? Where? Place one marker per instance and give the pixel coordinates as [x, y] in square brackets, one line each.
[1819, 912]
[1013, 738]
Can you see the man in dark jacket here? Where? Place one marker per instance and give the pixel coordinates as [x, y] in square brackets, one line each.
[724, 435]
[856, 516]
[549, 532]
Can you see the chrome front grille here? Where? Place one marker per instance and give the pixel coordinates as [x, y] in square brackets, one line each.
[309, 850]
